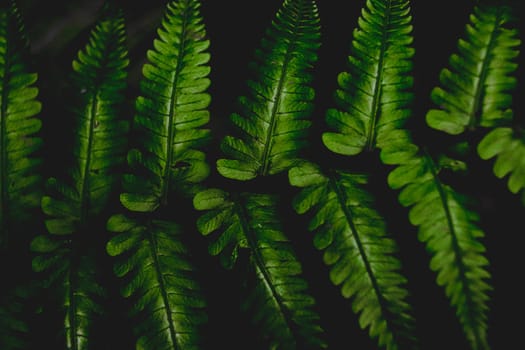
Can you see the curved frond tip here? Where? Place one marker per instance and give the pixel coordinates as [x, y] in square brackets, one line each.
[476, 88]
[273, 121]
[374, 96]
[171, 111]
[65, 254]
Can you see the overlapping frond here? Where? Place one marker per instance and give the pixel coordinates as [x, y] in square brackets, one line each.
[358, 249]
[72, 275]
[476, 89]
[151, 253]
[273, 120]
[507, 146]
[171, 111]
[20, 181]
[279, 303]
[451, 233]
[65, 254]
[100, 131]
[374, 94]
[169, 307]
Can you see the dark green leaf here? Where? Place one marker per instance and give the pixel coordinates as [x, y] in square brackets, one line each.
[273, 121]
[475, 89]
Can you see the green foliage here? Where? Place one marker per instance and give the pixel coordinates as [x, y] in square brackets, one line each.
[73, 206]
[278, 300]
[508, 147]
[168, 309]
[271, 129]
[170, 112]
[374, 94]
[374, 103]
[20, 181]
[452, 236]
[273, 121]
[133, 209]
[359, 250]
[476, 89]
[151, 253]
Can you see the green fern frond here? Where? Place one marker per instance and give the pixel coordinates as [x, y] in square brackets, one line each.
[508, 147]
[72, 277]
[65, 254]
[358, 249]
[273, 121]
[171, 111]
[20, 182]
[281, 308]
[452, 237]
[476, 89]
[374, 95]
[100, 131]
[169, 303]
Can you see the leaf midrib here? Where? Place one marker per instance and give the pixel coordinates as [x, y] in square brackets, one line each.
[84, 190]
[84, 187]
[278, 96]
[252, 240]
[370, 139]
[166, 177]
[162, 285]
[342, 199]
[457, 250]
[475, 113]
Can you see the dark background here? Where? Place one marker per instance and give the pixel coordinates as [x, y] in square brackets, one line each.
[58, 29]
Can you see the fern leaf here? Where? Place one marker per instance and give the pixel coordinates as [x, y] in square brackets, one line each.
[476, 89]
[452, 237]
[72, 276]
[100, 132]
[171, 111]
[359, 251]
[169, 303]
[373, 95]
[20, 184]
[273, 121]
[508, 147]
[281, 308]
[100, 140]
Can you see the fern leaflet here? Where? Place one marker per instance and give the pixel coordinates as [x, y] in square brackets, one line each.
[508, 147]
